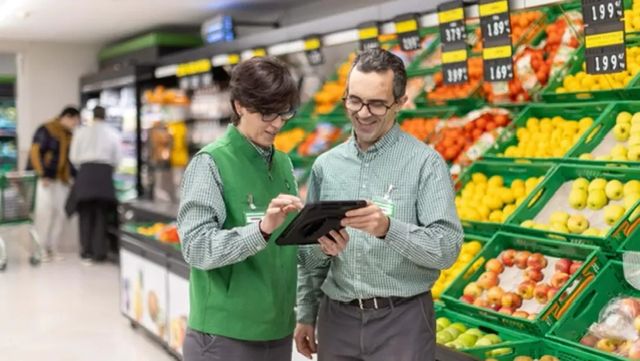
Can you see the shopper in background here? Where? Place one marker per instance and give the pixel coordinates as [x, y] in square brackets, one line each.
[235, 193]
[371, 300]
[49, 158]
[95, 152]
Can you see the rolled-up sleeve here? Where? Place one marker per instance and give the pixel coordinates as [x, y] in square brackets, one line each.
[202, 212]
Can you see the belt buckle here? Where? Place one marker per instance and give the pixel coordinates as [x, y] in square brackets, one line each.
[360, 303]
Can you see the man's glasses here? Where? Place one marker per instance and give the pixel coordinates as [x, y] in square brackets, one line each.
[376, 108]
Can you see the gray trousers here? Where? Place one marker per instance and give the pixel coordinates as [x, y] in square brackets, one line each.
[403, 332]
[200, 346]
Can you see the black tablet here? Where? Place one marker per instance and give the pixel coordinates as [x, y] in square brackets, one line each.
[314, 221]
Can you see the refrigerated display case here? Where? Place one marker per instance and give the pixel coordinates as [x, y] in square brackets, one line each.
[8, 119]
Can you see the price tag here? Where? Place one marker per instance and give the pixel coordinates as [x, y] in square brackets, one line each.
[368, 34]
[193, 67]
[312, 47]
[233, 59]
[454, 63]
[597, 12]
[451, 20]
[497, 60]
[259, 52]
[605, 50]
[407, 29]
[494, 19]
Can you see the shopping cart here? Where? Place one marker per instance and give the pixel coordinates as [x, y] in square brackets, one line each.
[17, 199]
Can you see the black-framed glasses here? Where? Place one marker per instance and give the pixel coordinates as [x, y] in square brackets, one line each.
[270, 117]
[376, 108]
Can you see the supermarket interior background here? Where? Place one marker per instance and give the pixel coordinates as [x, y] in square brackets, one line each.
[533, 104]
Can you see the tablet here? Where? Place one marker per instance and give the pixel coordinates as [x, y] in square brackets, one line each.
[314, 221]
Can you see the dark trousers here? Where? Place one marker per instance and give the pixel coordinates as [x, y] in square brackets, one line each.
[403, 332]
[199, 346]
[94, 239]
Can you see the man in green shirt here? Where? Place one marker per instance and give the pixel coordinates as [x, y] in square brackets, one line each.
[371, 302]
[235, 193]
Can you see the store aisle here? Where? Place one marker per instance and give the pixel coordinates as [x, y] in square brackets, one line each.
[65, 311]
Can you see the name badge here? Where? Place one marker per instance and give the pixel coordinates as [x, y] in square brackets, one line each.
[386, 204]
[253, 217]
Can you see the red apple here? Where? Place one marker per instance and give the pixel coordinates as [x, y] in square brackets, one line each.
[488, 280]
[564, 265]
[467, 299]
[481, 302]
[533, 274]
[634, 351]
[506, 310]
[495, 266]
[521, 314]
[532, 316]
[495, 307]
[575, 266]
[541, 293]
[589, 340]
[472, 290]
[537, 261]
[511, 300]
[559, 279]
[495, 295]
[630, 306]
[521, 259]
[508, 257]
[525, 289]
[552, 292]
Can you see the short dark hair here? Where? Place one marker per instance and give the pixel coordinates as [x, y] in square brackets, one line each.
[265, 85]
[99, 113]
[380, 60]
[70, 112]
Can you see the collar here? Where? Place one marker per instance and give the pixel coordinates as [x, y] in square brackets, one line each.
[249, 146]
[384, 143]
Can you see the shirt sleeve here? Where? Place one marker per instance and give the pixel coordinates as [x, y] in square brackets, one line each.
[74, 149]
[202, 212]
[313, 264]
[435, 242]
[36, 149]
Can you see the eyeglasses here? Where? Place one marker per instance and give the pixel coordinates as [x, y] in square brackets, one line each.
[285, 116]
[377, 108]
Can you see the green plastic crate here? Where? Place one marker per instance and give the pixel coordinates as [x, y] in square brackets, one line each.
[592, 257]
[511, 340]
[608, 284]
[574, 65]
[509, 172]
[570, 111]
[547, 347]
[443, 113]
[536, 201]
[599, 132]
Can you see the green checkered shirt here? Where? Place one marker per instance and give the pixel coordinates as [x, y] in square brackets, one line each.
[424, 235]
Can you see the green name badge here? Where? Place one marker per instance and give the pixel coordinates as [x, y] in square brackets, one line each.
[253, 217]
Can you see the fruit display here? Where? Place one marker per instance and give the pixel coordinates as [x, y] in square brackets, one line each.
[468, 251]
[439, 92]
[524, 26]
[529, 358]
[477, 129]
[321, 139]
[287, 140]
[167, 233]
[162, 95]
[332, 91]
[632, 18]
[621, 142]
[459, 336]
[420, 128]
[415, 86]
[488, 198]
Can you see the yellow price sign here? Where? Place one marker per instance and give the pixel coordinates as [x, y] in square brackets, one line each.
[406, 26]
[259, 52]
[193, 67]
[368, 33]
[498, 52]
[494, 8]
[311, 44]
[454, 56]
[449, 16]
[604, 39]
[233, 59]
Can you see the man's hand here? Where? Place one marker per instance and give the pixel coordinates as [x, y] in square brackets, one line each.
[368, 219]
[277, 212]
[333, 247]
[305, 337]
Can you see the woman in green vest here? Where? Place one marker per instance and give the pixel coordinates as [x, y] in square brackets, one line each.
[235, 193]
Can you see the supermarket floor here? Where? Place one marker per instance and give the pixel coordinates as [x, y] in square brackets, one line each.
[65, 311]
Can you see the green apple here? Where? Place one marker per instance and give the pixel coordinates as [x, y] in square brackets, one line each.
[475, 331]
[634, 153]
[622, 131]
[500, 351]
[614, 190]
[580, 183]
[597, 199]
[442, 323]
[624, 118]
[578, 198]
[467, 340]
[577, 224]
[459, 326]
[495, 339]
[483, 342]
[613, 213]
[559, 217]
[454, 331]
[598, 183]
[631, 187]
[444, 337]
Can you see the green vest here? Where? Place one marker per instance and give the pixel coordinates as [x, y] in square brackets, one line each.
[254, 299]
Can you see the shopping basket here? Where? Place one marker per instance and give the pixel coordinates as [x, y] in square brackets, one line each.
[17, 199]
